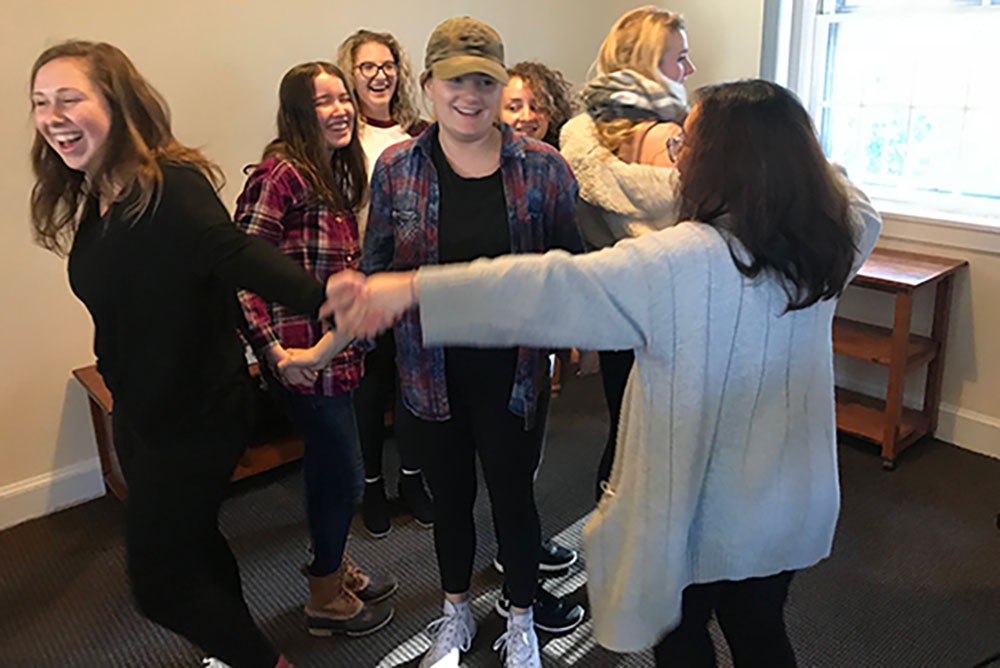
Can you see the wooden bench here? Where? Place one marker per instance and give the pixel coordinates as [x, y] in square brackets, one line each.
[887, 422]
[281, 448]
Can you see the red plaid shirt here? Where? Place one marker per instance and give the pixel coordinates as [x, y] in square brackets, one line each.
[275, 206]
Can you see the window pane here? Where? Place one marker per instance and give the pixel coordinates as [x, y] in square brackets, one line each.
[911, 111]
[850, 6]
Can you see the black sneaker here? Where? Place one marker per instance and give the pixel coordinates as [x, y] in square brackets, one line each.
[552, 558]
[551, 613]
[375, 509]
[414, 497]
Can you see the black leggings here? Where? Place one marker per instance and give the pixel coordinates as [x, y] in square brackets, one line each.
[182, 571]
[616, 365]
[751, 614]
[480, 422]
[370, 401]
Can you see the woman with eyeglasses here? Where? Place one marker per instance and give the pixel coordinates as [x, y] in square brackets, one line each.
[725, 483]
[380, 72]
[619, 149]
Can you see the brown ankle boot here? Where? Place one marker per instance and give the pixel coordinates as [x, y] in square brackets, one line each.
[369, 588]
[333, 608]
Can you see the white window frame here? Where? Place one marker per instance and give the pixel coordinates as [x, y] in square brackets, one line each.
[792, 56]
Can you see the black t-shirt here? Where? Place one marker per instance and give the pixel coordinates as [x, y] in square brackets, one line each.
[162, 294]
[472, 223]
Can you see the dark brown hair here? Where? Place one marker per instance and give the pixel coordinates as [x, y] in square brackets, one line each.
[752, 166]
[138, 141]
[339, 180]
[551, 90]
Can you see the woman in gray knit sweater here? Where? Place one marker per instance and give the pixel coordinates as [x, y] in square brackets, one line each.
[725, 480]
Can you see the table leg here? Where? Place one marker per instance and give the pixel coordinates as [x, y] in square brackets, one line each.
[897, 378]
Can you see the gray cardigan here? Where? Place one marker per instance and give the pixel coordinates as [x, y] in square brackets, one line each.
[726, 466]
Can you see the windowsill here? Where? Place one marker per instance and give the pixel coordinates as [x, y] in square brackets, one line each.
[945, 229]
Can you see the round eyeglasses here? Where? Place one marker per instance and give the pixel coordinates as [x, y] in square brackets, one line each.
[674, 146]
[370, 70]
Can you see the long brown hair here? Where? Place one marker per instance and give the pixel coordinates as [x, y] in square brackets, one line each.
[138, 141]
[751, 152]
[340, 180]
[552, 92]
[402, 107]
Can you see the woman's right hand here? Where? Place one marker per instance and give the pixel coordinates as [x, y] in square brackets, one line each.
[298, 375]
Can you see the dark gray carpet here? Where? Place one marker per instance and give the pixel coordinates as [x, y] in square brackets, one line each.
[914, 580]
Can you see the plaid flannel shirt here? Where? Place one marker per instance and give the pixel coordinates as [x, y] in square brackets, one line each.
[402, 233]
[276, 206]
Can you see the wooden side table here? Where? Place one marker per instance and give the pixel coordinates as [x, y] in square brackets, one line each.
[889, 423]
[275, 450]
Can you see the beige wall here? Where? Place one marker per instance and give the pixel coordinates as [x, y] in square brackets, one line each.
[218, 63]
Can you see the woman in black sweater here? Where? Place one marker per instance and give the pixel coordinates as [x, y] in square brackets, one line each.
[154, 257]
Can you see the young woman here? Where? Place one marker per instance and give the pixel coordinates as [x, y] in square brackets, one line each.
[725, 481]
[536, 101]
[465, 189]
[389, 115]
[618, 151]
[157, 262]
[302, 198]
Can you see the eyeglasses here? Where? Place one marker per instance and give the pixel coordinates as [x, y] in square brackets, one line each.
[674, 146]
[370, 70]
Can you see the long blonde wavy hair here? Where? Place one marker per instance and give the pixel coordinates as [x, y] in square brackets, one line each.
[139, 139]
[402, 108]
[635, 42]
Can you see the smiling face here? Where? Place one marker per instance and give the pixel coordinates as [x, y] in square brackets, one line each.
[375, 92]
[334, 110]
[520, 109]
[465, 106]
[70, 113]
[675, 63]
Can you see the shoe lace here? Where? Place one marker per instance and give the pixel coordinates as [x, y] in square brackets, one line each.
[515, 647]
[355, 575]
[452, 630]
[212, 662]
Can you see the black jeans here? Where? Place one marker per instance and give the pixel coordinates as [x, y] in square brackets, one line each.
[616, 365]
[370, 401]
[182, 571]
[751, 614]
[481, 423]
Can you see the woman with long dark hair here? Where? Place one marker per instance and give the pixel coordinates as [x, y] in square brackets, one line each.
[725, 480]
[156, 260]
[302, 198]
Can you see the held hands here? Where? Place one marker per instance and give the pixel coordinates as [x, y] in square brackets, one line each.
[366, 306]
[297, 375]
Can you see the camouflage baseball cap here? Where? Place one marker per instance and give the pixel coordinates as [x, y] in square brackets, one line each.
[463, 45]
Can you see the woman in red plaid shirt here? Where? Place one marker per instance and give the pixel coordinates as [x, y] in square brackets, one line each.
[302, 198]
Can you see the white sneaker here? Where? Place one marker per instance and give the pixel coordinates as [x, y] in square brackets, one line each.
[212, 662]
[450, 635]
[519, 645]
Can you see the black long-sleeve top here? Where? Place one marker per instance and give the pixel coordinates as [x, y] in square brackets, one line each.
[162, 294]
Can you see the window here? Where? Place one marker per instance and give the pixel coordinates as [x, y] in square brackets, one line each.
[906, 95]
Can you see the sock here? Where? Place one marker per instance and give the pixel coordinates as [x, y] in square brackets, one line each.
[410, 471]
[521, 620]
[372, 481]
[456, 608]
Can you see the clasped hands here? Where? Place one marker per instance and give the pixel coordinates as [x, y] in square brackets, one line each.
[361, 308]
[366, 306]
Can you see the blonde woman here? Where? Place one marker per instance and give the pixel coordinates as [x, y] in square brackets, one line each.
[387, 115]
[618, 150]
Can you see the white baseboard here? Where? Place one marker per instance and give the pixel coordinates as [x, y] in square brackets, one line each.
[46, 493]
[970, 430]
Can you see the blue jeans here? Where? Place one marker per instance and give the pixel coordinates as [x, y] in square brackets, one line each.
[331, 465]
